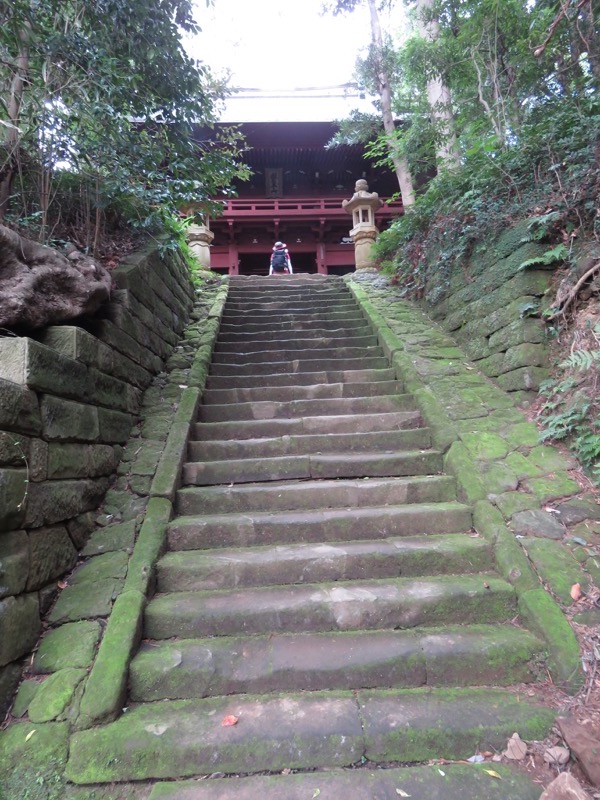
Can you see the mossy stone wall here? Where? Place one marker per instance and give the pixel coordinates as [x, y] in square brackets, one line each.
[69, 396]
[491, 306]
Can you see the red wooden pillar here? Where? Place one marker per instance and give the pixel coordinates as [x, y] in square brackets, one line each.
[234, 260]
[321, 259]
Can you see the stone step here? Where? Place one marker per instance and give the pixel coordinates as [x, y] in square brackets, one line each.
[315, 466]
[283, 335]
[311, 495]
[300, 379]
[378, 441]
[320, 525]
[296, 305]
[341, 317]
[268, 328]
[477, 655]
[334, 406]
[300, 365]
[303, 392]
[453, 782]
[292, 353]
[340, 606]
[180, 738]
[230, 568]
[340, 423]
[306, 342]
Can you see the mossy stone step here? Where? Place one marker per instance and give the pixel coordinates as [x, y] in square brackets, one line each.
[452, 782]
[300, 365]
[305, 342]
[238, 317]
[310, 496]
[291, 353]
[376, 441]
[453, 656]
[229, 568]
[277, 337]
[181, 738]
[321, 525]
[340, 423]
[328, 465]
[292, 305]
[326, 406]
[304, 392]
[272, 328]
[341, 606]
[300, 379]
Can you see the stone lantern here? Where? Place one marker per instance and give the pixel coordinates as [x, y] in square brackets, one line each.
[363, 205]
[199, 238]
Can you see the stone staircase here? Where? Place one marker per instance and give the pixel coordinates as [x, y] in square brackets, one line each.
[323, 590]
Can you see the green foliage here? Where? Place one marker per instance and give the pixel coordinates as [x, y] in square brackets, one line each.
[112, 114]
[555, 255]
[570, 412]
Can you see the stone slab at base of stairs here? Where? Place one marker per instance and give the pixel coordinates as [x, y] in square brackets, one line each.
[446, 782]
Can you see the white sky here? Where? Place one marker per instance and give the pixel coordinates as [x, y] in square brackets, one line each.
[286, 45]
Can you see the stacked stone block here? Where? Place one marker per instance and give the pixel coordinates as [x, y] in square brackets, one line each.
[69, 396]
[491, 307]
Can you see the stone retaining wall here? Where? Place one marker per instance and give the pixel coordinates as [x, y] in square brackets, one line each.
[68, 400]
[491, 307]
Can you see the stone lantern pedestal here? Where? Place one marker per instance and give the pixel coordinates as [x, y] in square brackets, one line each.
[199, 239]
[363, 206]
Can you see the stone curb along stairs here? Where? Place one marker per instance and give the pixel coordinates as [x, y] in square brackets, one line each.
[319, 584]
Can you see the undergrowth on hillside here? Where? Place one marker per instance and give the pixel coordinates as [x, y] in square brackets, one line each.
[551, 176]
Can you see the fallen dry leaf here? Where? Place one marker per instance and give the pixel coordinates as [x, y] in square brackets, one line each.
[229, 720]
[493, 773]
[576, 591]
[29, 735]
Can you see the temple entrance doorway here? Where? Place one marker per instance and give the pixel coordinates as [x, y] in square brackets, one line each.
[258, 263]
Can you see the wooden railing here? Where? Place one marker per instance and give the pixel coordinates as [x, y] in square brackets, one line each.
[296, 206]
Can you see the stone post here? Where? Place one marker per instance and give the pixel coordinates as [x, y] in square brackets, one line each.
[363, 206]
[199, 239]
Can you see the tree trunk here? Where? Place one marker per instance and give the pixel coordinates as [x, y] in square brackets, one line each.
[438, 95]
[13, 133]
[400, 165]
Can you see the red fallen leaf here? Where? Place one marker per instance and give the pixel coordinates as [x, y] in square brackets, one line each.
[229, 720]
[576, 591]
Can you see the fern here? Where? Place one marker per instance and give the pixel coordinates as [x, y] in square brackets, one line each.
[553, 256]
[582, 360]
[539, 227]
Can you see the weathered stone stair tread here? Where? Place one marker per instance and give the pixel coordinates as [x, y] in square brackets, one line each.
[306, 392]
[303, 495]
[290, 353]
[274, 307]
[452, 656]
[181, 738]
[389, 441]
[299, 379]
[295, 316]
[321, 525]
[276, 337]
[338, 423]
[326, 465]
[300, 365]
[334, 406]
[298, 343]
[459, 782]
[268, 329]
[340, 606]
[232, 568]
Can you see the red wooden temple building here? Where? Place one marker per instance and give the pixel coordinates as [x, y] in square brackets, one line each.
[295, 195]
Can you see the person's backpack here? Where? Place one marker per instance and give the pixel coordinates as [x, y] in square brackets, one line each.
[279, 262]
